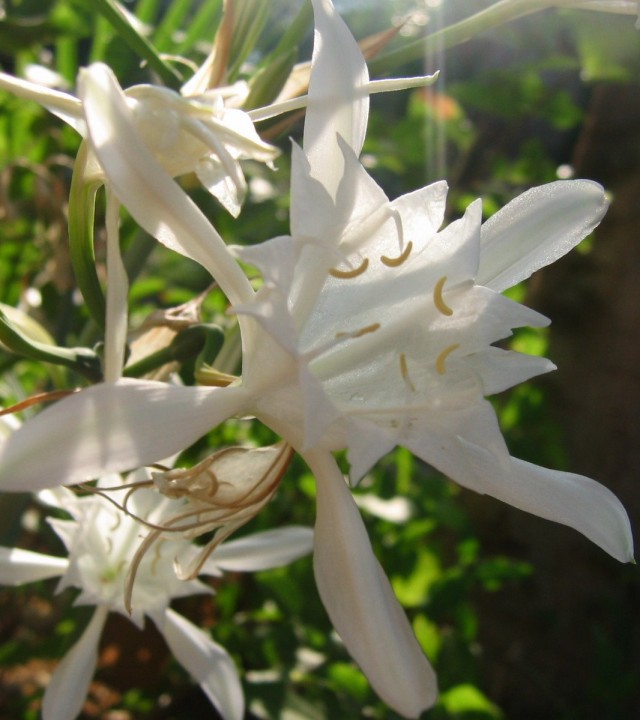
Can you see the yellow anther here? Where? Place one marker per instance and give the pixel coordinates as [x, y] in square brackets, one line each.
[440, 360]
[437, 297]
[404, 371]
[396, 262]
[347, 274]
[359, 333]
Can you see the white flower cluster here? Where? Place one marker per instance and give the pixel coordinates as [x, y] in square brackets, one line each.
[373, 327]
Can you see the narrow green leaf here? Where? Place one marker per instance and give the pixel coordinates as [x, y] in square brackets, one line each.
[494, 16]
[249, 21]
[265, 85]
[297, 29]
[202, 27]
[147, 10]
[82, 360]
[112, 12]
[174, 17]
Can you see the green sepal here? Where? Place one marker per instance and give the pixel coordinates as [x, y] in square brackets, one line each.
[83, 360]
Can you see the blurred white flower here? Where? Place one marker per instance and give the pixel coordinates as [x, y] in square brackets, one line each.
[201, 133]
[101, 542]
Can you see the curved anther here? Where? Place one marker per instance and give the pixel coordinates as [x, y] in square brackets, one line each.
[347, 274]
[437, 297]
[396, 262]
[441, 359]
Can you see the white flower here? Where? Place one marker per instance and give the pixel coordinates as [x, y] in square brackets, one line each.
[373, 328]
[200, 133]
[101, 542]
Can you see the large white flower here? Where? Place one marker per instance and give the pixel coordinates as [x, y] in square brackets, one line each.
[373, 328]
[101, 542]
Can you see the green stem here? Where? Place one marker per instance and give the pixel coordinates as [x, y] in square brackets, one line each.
[82, 200]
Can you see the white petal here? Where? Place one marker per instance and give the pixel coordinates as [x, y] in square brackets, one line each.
[312, 208]
[213, 175]
[67, 690]
[63, 105]
[263, 550]
[156, 202]
[360, 199]
[208, 662]
[437, 436]
[23, 566]
[501, 369]
[319, 411]
[367, 444]
[275, 258]
[536, 229]
[360, 601]
[59, 497]
[338, 103]
[422, 210]
[111, 427]
[573, 500]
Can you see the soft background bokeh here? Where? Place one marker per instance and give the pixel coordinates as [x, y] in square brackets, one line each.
[523, 619]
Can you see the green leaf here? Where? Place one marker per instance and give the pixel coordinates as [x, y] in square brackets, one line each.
[465, 699]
